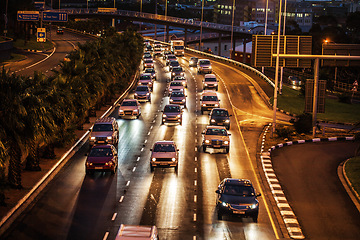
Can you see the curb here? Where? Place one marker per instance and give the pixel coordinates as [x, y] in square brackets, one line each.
[289, 218]
[354, 195]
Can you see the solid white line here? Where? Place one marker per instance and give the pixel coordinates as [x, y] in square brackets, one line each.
[42, 60]
[121, 199]
[106, 236]
[128, 183]
[134, 169]
[114, 216]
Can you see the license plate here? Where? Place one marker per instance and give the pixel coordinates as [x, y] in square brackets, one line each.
[216, 146]
[98, 168]
[220, 124]
[101, 141]
[164, 164]
[238, 212]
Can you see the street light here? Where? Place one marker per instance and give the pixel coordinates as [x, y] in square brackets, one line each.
[265, 28]
[202, 14]
[232, 27]
[165, 26]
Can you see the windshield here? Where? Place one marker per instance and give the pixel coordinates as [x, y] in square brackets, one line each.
[98, 127]
[170, 108]
[177, 69]
[174, 63]
[176, 84]
[194, 59]
[220, 113]
[238, 190]
[204, 62]
[177, 94]
[216, 131]
[149, 61]
[209, 98]
[145, 77]
[149, 70]
[179, 47]
[142, 89]
[162, 147]
[180, 78]
[100, 152]
[210, 79]
[171, 57]
[129, 103]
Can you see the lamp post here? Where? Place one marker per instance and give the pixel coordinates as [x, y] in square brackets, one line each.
[165, 27]
[265, 28]
[282, 68]
[232, 28]
[202, 16]
[140, 12]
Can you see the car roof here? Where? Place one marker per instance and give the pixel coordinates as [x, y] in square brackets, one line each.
[164, 142]
[219, 109]
[129, 100]
[210, 75]
[236, 181]
[102, 146]
[209, 93]
[215, 127]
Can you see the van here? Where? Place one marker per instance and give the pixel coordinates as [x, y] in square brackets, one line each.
[134, 232]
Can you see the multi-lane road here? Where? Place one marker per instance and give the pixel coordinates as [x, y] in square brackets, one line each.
[182, 204]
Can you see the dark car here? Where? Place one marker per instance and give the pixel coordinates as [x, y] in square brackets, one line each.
[59, 31]
[172, 64]
[172, 113]
[220, 117]
[178, 97]
[102, 158]
[142, 93]
[237, 197]
[193, 62]
[177, 71]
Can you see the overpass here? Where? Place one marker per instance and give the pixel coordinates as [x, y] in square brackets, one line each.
[221, 29]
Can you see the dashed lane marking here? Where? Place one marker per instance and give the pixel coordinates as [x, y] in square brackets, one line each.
[121, 199]
[114, 216]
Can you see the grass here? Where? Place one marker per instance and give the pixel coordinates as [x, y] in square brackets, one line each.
[291, 101]
[352, 169]
[32, 44]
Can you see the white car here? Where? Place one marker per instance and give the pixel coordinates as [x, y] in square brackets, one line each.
[129, 108]
[210, 81]
[209, 100]
[204, 66]
[164, 154]
[216, 137]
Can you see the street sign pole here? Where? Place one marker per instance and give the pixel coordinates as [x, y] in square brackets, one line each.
[316, 87]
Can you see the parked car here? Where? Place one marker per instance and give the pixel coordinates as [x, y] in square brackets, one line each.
[172, 113]
[104, 131]
[204, 66]
[216, 137]
[220, 117]
[209, 100]
[146, 79]
[178, 97]
[102, 158]
[237, 197]
[164, 154]
[152, 72]
[142, 93]
[210, 81]
[193, 62]
[129, 108]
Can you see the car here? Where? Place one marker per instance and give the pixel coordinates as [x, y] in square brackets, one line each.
[173, 63]
[149, 48]
[148, 63]
[67, 58]
[177, 71]
[210, 81]
[182, 79]
[166, 53]
[216, 137]
[151, 71]
[237, 197]
[142, 93]
[147, 56]
[164, 154]
[104, 131]
[135, 232]
[170, 57]
[193, 62]
[157, 50]
[178, 97]
[220, 117]
[209, 100]
[59, 31]
[204, 66]
[176, 86]
[172, 113]
[129, 108]
[295, 81]
[146, 79]
[101, 158]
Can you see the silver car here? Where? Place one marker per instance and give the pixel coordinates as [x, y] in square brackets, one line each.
[172, 113]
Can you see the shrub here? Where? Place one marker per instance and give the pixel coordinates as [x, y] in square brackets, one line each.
[303, 123]
[283, 132]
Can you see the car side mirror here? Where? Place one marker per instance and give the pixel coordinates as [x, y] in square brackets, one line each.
[258, 195]
[218, 191]
[230, 115]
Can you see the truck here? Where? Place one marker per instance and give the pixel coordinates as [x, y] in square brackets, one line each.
[177, 47]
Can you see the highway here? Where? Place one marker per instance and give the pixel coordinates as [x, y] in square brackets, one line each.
[181, 205]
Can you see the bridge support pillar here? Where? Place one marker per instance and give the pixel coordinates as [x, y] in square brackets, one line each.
[185, 38]
[219, 47]
[155, 32]
[232, 53]
[244, 50]
[167, 33]
[113, 22]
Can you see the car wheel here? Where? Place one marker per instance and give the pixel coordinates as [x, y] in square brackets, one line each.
[162, 122]
[185, 105]
[227, 150]
[151, 168]
[228, 127]
[217, 88]
[137, 117]
[219, 215]
[113, 171]
[204, 148]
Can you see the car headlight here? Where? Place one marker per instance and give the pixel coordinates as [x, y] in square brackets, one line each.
[153, 159]
[184, 83]
[207, 141]
[139, 83]
[147, 94]
[183, 100]
[212, 120]
[191, 62]
[181, 90]
[173, 74]
[164, 116]
[173, 159]
[182, 73]
[121, 110]
[171, 100]
[210, 67]
[205, 84]
[135, 110]
[178, 116]
[215, 84]
[254, 206]
[136, 94]
[226, 142]
[216, 105]
[224, 204]
[109, 163]
[109, 137]
[92, 138]
[227, 120]
[204, 105]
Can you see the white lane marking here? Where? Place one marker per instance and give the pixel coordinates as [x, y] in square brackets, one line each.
[151, 127]
[194, 237]
[128, 183]
[148, 133]
[195, 149]
[106, 236]
[121, 199]
[195, 133]
[194, 217]
[195, 198]
[195, 182]
[196, 140]
[195, 169]
[138, 159]
[113, 217]
[134, 169]
[153, 198]
[142, 149]
[145, 141]
[195, 159]
[42, 60]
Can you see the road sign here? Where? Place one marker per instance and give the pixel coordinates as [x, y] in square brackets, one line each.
[264, 46]
[28, 16]
[39, 5]
[55, 16]
[340, 50]
[309, 96]
[41, 34]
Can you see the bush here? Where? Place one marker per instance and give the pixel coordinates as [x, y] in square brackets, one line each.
[303, 123]
[283, 132]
